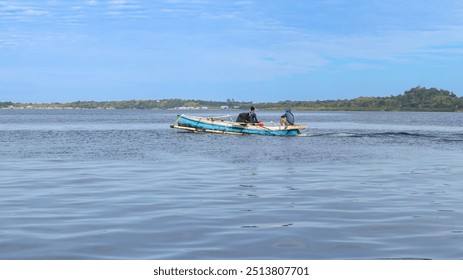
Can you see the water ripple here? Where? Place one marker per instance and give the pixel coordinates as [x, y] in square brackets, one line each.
[122, 185]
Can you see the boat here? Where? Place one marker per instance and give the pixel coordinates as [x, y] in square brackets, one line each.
[223, 126]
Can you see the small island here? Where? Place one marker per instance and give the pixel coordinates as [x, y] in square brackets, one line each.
[418, 99]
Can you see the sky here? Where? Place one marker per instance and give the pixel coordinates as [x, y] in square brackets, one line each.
[246, 50]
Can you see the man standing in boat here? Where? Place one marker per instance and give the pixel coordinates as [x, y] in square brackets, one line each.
[287, 118]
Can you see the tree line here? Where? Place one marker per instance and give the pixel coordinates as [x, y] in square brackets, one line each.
[415, 99]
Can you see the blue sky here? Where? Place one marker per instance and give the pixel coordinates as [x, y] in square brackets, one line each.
[249, 50]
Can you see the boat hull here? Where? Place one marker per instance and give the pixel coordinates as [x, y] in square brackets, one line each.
[211, 125]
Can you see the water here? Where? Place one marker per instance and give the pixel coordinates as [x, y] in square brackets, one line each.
[121, 184]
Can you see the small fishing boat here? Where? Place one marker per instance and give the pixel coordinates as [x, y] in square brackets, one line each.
[223, 126]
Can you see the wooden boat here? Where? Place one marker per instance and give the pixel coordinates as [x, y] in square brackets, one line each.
[223, 126]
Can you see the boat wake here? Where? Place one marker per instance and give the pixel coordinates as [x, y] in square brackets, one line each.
[431, 136]
[305, 132]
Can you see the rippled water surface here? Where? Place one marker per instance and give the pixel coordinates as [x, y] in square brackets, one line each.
[121, 184]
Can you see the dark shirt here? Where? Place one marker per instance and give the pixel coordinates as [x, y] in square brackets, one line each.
[252, 117]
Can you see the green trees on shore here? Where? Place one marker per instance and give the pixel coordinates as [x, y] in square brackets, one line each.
[415, 99]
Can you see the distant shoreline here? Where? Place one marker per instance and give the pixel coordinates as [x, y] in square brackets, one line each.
[231, 110]
[418, 99]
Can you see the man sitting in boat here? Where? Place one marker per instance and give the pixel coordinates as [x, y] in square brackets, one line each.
[287, 118]
[249, 117]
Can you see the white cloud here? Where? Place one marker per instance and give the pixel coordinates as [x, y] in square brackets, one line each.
[263, 44]
[33, 12]
[243, 39]
[91, 2]
[15, 10]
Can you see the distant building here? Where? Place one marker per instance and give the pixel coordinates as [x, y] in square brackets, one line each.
[191, 108]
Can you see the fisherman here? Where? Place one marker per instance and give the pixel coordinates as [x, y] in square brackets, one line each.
[252, 116]
[248, 117]
[287, 118]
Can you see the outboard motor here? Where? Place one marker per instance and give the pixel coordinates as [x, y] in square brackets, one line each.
[243, 117]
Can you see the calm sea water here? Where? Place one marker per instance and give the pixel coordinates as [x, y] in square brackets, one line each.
[121, 184]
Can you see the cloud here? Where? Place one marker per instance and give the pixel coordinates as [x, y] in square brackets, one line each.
[249, 40]
[389, 33]
[122, 4]
[12, 10]
[256, 41]
[11, 39]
